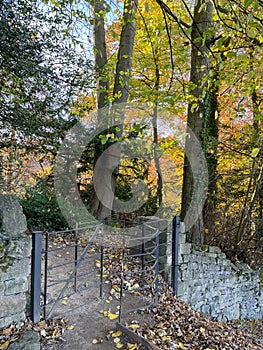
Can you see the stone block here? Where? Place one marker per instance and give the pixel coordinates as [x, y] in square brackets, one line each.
[206, 310]
[180, 259]
[183, 289]
[18, 268]
[186, 275]
[182, 227]
[215, 250]
[185, 248]
[235, 313]
[182, 238]
[12, 219]
[12, 305]
[222, 256]
[197, 304]
[19, 248]
[29, 340]
[234, 267]
[16, 286]
[2, 289]
[183, 267]
[185, 258]
[6, 321]
[211, 255]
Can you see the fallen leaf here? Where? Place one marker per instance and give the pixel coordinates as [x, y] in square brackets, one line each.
[42, 324]
[134, 326]
[113, 316]
[54, 333]
[5, 345]
[202, 330]
[43, 333]
[116, 334]
[97, 341]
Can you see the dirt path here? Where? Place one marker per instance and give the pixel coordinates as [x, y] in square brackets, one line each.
[91, 322]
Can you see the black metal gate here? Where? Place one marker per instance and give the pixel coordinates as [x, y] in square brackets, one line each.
[70, 268]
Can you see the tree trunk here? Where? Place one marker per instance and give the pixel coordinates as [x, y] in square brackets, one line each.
[102, 80]
[123, 67]
[210, 144]
[200, 67]
[159, 190]
[104, 177]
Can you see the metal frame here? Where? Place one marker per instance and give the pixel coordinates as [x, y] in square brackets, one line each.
[148, 253]
[36, 276]
[175, 258]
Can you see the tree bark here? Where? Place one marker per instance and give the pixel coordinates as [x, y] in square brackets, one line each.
[200, 67]
[102, 80]
[106, 164]
[210, 144]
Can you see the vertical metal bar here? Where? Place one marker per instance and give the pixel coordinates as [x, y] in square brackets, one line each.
[175, 243]
[46, 276]
[76, 258]
[122, 274]
[121, 292]
[36, 276]
[143, 251]
[157, 242]
[101, 270]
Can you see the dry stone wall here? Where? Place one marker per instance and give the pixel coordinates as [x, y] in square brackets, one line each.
[207, 280]
[215, 286]
[15, 262]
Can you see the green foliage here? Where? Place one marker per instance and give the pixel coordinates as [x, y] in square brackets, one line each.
[41, 208]
[40, 71]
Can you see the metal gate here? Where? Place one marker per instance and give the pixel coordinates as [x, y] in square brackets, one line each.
[70, 268]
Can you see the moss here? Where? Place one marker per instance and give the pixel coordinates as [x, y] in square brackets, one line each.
[5, 263]
[2, 249]
[28, 303]
[202, 247]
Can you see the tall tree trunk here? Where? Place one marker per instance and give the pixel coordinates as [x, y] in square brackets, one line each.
[106, 163]
[200, 67]
[123, 67]
[102, 89]
[102, 80]
[159, 190]
[210, 144]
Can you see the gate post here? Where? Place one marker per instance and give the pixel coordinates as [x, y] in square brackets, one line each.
[175, 243]
[36, 275]
[157, 257]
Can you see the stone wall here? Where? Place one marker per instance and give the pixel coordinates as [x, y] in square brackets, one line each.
[215, 286]
[15, 262]
[207, 280]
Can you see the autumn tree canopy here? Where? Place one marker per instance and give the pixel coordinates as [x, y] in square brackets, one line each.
[202, 63]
